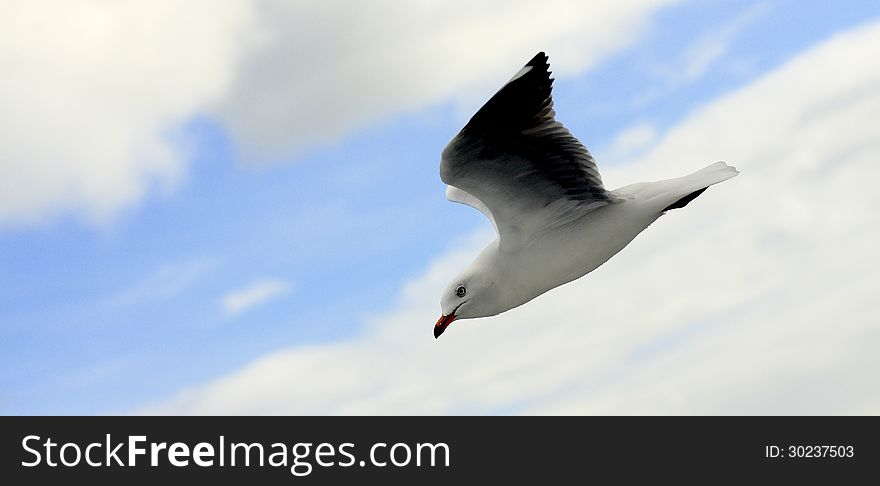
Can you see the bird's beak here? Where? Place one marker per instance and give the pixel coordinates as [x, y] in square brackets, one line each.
[442, 324]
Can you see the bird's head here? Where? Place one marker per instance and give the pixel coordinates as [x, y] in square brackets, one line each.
[470, 295]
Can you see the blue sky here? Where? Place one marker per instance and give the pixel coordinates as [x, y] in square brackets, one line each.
[112, 311]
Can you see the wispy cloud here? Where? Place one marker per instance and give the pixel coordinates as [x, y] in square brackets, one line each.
[702, 54]
[253, 295]
[631, 142]
[167, 281]
[754, 299]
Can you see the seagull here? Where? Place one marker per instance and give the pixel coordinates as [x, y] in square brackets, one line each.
[539, 186]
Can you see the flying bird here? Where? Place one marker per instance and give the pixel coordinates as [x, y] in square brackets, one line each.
[540, 188]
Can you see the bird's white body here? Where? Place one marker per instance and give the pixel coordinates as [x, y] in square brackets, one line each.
[559, 255]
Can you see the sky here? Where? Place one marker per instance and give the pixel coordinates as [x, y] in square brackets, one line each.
[234, 208]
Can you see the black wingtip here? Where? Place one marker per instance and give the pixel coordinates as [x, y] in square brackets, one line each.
[539, 59]
[684, 201]
[541, 64]
[518, 102]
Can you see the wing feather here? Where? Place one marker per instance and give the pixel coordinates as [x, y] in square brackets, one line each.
[515, 160]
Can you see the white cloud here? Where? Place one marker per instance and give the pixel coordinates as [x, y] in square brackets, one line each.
[253, 295]
[329, 68]
[91, 91]
[759, 297]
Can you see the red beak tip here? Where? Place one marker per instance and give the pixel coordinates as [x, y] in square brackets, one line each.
[442, 324]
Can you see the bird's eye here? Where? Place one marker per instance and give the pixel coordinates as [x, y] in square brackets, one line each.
[460, 291]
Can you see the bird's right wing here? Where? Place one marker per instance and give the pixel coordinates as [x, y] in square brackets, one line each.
[521, 166]
[455, 194]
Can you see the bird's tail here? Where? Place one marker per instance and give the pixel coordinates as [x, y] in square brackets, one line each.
[712, 174]
[676, 193]
[682, 190]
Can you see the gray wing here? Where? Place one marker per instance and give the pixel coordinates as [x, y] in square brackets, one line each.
[519, 162]
[455, 194]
